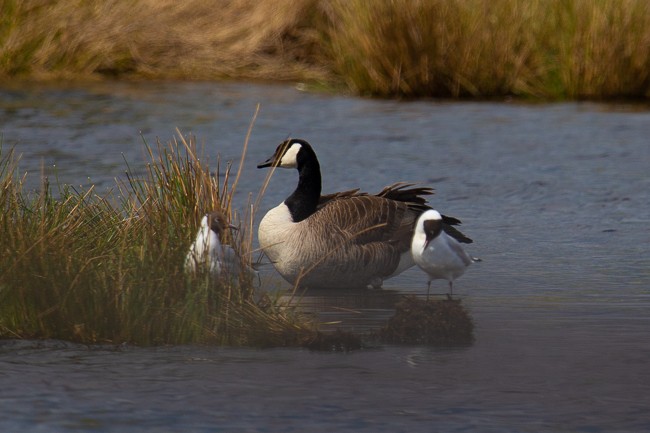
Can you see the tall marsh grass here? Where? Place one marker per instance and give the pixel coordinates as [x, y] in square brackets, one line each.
[81, 266]
[540, 48]
[449, 48]
[193, 39]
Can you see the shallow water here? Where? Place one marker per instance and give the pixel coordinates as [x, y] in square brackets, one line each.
[555, 196]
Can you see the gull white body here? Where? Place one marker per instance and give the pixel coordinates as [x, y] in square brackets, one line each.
[436, 253]
[208, 253]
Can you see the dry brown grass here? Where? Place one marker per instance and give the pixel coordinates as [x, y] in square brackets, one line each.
[554, 48]
[453, 48]
[601, 48]
[157, 38]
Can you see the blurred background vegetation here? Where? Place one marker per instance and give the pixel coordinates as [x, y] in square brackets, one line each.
[549, 49]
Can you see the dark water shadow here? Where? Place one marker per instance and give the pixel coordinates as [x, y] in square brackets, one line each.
[350, 319]
[354, 310]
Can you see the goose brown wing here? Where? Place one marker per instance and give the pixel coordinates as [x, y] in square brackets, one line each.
[365, 219]
[387, 217]
[375, 258]
[326, 198]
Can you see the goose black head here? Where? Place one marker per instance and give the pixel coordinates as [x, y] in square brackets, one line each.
[289, 154]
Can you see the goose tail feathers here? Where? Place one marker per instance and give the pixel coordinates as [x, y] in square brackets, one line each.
[408, 193]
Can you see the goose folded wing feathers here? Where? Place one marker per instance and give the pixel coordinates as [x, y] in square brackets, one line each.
[327, 198]
[367, 219]
[388, 216]
[378, 258]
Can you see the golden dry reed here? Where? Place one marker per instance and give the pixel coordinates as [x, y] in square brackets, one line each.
[81, 266]
[194, 39]
[412, 48]
[542, 48]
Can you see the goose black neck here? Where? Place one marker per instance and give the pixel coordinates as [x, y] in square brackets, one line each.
[304, 200]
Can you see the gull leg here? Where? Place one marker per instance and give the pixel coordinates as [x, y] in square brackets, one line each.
[451, 290]
[428, 289]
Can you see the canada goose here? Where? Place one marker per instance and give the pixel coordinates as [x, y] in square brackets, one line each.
[208, 251]
[436, 253]
[341, 240]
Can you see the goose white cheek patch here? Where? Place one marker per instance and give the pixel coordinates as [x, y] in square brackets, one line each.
[290, 157]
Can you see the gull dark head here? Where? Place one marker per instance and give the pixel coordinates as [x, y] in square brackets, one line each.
[431, 225]
[289, 154]
[216, 220]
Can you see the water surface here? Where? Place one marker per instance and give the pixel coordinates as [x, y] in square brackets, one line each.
[555, 196]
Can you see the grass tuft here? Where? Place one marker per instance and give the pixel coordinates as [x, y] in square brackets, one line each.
[85, 267]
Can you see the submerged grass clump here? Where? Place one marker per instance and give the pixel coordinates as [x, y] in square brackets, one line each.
[435, 322]
[85, 267]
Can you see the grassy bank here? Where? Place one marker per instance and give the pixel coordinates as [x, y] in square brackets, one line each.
[85, 267]
[539, 48]
[193, 39]
[452, 48]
